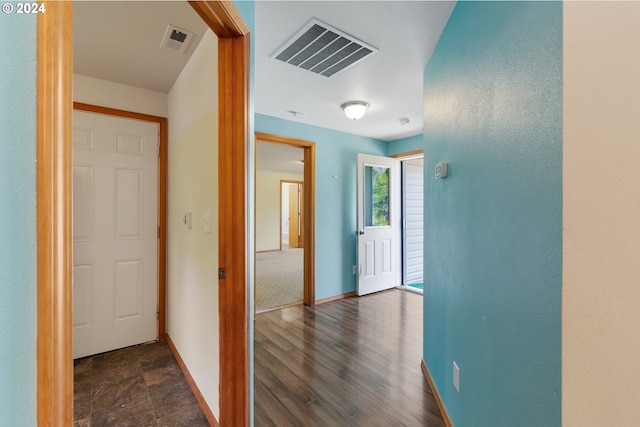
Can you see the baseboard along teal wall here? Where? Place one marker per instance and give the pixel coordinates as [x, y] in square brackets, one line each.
[335, 198]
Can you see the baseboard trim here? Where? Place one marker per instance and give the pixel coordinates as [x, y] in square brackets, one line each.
[436, 395]
[196, 391]
[268, 250]
[336, 297]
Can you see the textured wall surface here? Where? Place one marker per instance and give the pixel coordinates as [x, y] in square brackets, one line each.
[192, 186]
[116, 95]
[335, 198]
[601, 258]
[493, 229]
[405, 145]
[268, 206]
[17, 220]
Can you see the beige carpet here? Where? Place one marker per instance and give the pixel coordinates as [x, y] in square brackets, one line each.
[279, 278]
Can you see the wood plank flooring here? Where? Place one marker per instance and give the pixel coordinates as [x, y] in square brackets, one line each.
[353, 362]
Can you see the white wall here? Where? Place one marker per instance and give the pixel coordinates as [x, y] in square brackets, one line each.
[192, 283]
[601, 265]
[268, 208]
[103, 93]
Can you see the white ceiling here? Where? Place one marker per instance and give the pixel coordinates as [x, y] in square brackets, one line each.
[279, 158]
[405, 32]
[120, 41]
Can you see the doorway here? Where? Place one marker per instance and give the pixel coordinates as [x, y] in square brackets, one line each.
[292, 213]
[53, 153]
[279, 264]
[412, 183]
[268, 218]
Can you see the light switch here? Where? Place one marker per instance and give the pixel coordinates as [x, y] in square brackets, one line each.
[207, 222]
[187, 219]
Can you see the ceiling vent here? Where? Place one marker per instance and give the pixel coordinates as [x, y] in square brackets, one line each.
[322, 49]
[176, 39]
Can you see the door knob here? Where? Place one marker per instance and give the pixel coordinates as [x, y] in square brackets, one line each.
[361, 232]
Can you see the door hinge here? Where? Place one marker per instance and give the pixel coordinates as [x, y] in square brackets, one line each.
[222, 273]
[158, 150]
[158, 232]
[157, 312]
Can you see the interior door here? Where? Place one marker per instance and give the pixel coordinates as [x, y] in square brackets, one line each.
[378, 224]
[294, 216]
[115, 220]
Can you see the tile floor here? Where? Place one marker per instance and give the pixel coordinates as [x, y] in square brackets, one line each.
[137, 386]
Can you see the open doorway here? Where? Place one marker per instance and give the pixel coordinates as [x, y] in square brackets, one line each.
[412, 194]
[54, 355]
[279, 210]
[284, 222]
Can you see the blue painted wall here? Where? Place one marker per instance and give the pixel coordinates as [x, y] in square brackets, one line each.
[17, 220]
[335, 198]
[493, 239]
[405, 145]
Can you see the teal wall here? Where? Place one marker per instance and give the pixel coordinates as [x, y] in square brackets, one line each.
[17, 220]
[405, 145]
[493, 239]
[335, 198]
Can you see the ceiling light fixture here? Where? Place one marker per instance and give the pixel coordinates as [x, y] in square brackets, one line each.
[354, 109]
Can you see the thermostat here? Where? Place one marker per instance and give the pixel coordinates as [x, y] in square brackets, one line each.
[441, 170]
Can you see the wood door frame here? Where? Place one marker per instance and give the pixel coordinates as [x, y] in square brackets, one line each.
[54, 108]
[309, 201]
[301, 214]
[161, 286]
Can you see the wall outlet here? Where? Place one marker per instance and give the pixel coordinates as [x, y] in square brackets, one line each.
[456, 377]
[355, 269]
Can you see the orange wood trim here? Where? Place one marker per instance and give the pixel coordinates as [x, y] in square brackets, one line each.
[309, 206]
[277, 139]
[407, 154]
[192, 384]
[162, 200]
[53, 211]
[301, 240]
[222, 17]
[120, 113]
[436, 395]
[336, 298]
[54, 110]
[233, 89]
[309, 203]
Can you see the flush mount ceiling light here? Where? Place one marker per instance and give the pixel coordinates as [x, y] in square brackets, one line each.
[354, 109]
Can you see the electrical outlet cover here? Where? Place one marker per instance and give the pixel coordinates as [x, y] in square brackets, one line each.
[456, 377]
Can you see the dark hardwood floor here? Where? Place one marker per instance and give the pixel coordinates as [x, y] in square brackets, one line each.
[353, 362]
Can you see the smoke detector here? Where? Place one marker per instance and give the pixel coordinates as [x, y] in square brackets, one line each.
[176, 39]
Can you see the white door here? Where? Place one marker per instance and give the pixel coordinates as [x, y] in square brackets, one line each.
[412, 219]
[378, 223]
[115, 223]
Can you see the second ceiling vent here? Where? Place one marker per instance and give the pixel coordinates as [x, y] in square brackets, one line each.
[322, 49]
